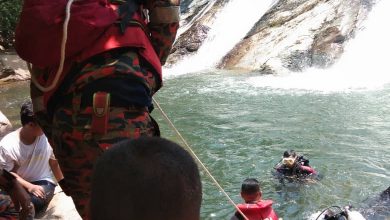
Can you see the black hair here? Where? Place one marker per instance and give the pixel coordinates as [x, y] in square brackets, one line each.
[385, 194]
[145, 178]
[250, 186]
[27, 112]
[289, 153]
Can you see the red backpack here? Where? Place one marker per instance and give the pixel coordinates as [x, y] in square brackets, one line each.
[39, 33]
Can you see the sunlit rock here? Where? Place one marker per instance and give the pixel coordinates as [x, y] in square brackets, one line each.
[12, 69]
[298, 34]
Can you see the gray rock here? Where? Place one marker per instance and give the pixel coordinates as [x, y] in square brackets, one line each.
[196, 20]
[12, 68]
[291, 36]
[296, 34]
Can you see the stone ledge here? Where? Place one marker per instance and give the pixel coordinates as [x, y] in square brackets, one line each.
[60, 207]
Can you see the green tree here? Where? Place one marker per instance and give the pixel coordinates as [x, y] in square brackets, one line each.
[9, 13]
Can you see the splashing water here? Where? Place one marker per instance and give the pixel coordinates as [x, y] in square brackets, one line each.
[230, 26]
[363, 66]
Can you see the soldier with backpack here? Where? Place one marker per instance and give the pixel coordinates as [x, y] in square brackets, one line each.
[95, 67]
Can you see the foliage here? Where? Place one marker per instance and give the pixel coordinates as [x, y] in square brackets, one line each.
[9, 13]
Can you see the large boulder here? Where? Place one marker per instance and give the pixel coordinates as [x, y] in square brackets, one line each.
[196, 20]
[296, 34]
[12, 68]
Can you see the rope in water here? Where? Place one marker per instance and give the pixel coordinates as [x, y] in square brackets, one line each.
[196, 157]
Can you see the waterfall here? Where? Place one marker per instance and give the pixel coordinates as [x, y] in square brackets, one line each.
[185, 26]
[231, 25]
[363, 66]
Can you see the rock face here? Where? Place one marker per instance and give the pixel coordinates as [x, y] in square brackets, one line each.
[12, 68]
[291, 36]
[296, 34]
[195, 24]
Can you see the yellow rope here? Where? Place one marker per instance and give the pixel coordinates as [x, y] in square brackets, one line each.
[197, 158]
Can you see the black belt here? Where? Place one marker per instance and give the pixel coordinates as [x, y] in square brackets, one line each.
[67, 101]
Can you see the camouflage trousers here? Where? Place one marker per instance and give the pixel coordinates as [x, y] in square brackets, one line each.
[77, 148]
[69, 127]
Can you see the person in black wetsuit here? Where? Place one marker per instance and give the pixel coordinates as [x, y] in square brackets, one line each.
[293, 164]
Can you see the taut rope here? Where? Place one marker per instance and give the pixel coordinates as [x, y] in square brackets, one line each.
[197, 158]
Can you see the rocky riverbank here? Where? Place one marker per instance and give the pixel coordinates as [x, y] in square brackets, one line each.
[12, 68]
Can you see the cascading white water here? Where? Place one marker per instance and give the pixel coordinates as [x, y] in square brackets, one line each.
[185, 26]
[364, 65]
[230, 26]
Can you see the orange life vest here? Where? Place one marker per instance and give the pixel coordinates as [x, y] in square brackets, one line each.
[258, 211]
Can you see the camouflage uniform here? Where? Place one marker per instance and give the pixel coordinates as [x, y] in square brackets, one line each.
[69, 127]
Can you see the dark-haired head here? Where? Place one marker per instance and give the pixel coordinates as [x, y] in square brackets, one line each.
[27, 113]
[250, 186]
[289, 153]
[250, 190]
[385, 194]
[146, 178]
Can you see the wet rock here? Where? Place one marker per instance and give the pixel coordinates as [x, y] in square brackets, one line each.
[327, 47]
[297, 61]
[297, 34]
[195, 24]
[377, 207]
[12, 68]
[189, 42]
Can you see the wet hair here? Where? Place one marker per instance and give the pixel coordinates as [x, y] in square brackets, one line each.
[385, 195]
[27, 113]
[289, 153]
[250, 186]
[146, 178]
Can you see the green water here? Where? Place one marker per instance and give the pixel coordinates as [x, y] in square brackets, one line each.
[240, 131]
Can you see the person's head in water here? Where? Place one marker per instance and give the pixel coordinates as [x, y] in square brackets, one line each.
[250, 190]
[146, 178]
[289, 153]
[385, 195]
[289, 158]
